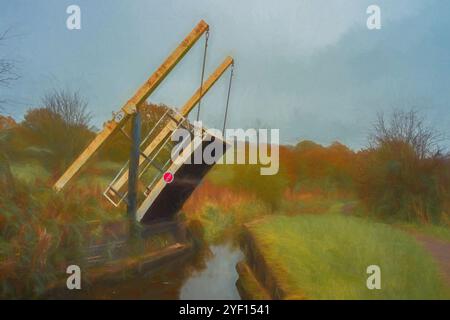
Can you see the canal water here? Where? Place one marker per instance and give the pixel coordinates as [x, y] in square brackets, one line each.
[217, 280]
[209, 274]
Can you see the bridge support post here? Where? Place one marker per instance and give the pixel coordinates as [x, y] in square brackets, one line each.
[133, 172]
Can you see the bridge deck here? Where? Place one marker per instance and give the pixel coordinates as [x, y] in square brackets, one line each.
[166, 199]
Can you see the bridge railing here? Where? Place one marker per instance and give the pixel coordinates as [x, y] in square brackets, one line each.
[153, 164]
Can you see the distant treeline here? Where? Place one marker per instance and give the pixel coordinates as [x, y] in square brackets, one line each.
[401, 174]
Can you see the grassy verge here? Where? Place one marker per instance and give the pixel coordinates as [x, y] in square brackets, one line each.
[326, 256]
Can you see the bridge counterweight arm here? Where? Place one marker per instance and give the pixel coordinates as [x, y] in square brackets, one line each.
[185, 110]
[130, 107]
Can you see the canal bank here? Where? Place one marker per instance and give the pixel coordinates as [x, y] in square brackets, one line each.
[205, 273]
[187, 267]
[326, 256]
[256, 279]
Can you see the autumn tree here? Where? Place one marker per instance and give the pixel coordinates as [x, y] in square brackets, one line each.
[410, 128]
[404, 172]
[59, 130]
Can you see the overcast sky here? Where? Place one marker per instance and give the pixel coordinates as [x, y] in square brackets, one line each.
[310, 68]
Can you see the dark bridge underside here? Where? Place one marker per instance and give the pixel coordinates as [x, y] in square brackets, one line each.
[172, 197]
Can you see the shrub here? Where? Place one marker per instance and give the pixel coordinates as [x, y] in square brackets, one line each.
[269, 189]
[324, 168]
[51, 139]
[42, 232]
[404, 174]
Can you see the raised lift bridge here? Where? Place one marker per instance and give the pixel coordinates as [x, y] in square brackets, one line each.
[151, 159]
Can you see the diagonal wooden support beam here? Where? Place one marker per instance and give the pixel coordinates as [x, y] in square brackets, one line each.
[130, 107]
[172, 125]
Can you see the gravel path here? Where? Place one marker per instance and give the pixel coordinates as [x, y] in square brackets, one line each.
[440, 250]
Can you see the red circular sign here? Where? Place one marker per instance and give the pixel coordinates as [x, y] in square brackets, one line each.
[168, 177]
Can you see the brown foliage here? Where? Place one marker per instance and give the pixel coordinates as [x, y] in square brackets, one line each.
[7, 123]
[50, 138]
[325, 168]
[404, 173]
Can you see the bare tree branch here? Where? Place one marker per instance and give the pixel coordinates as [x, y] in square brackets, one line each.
[408, 127]
[70, 106]
[8, 71]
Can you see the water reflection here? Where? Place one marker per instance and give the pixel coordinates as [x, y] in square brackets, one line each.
[208, 274]
[218, 279]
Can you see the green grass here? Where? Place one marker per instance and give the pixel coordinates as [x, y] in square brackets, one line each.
[317, 204]
[221, 175]
[29, 172]
[216, 222]
[326, 257]
[86, 181]
[223, 225]
[98, 173]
